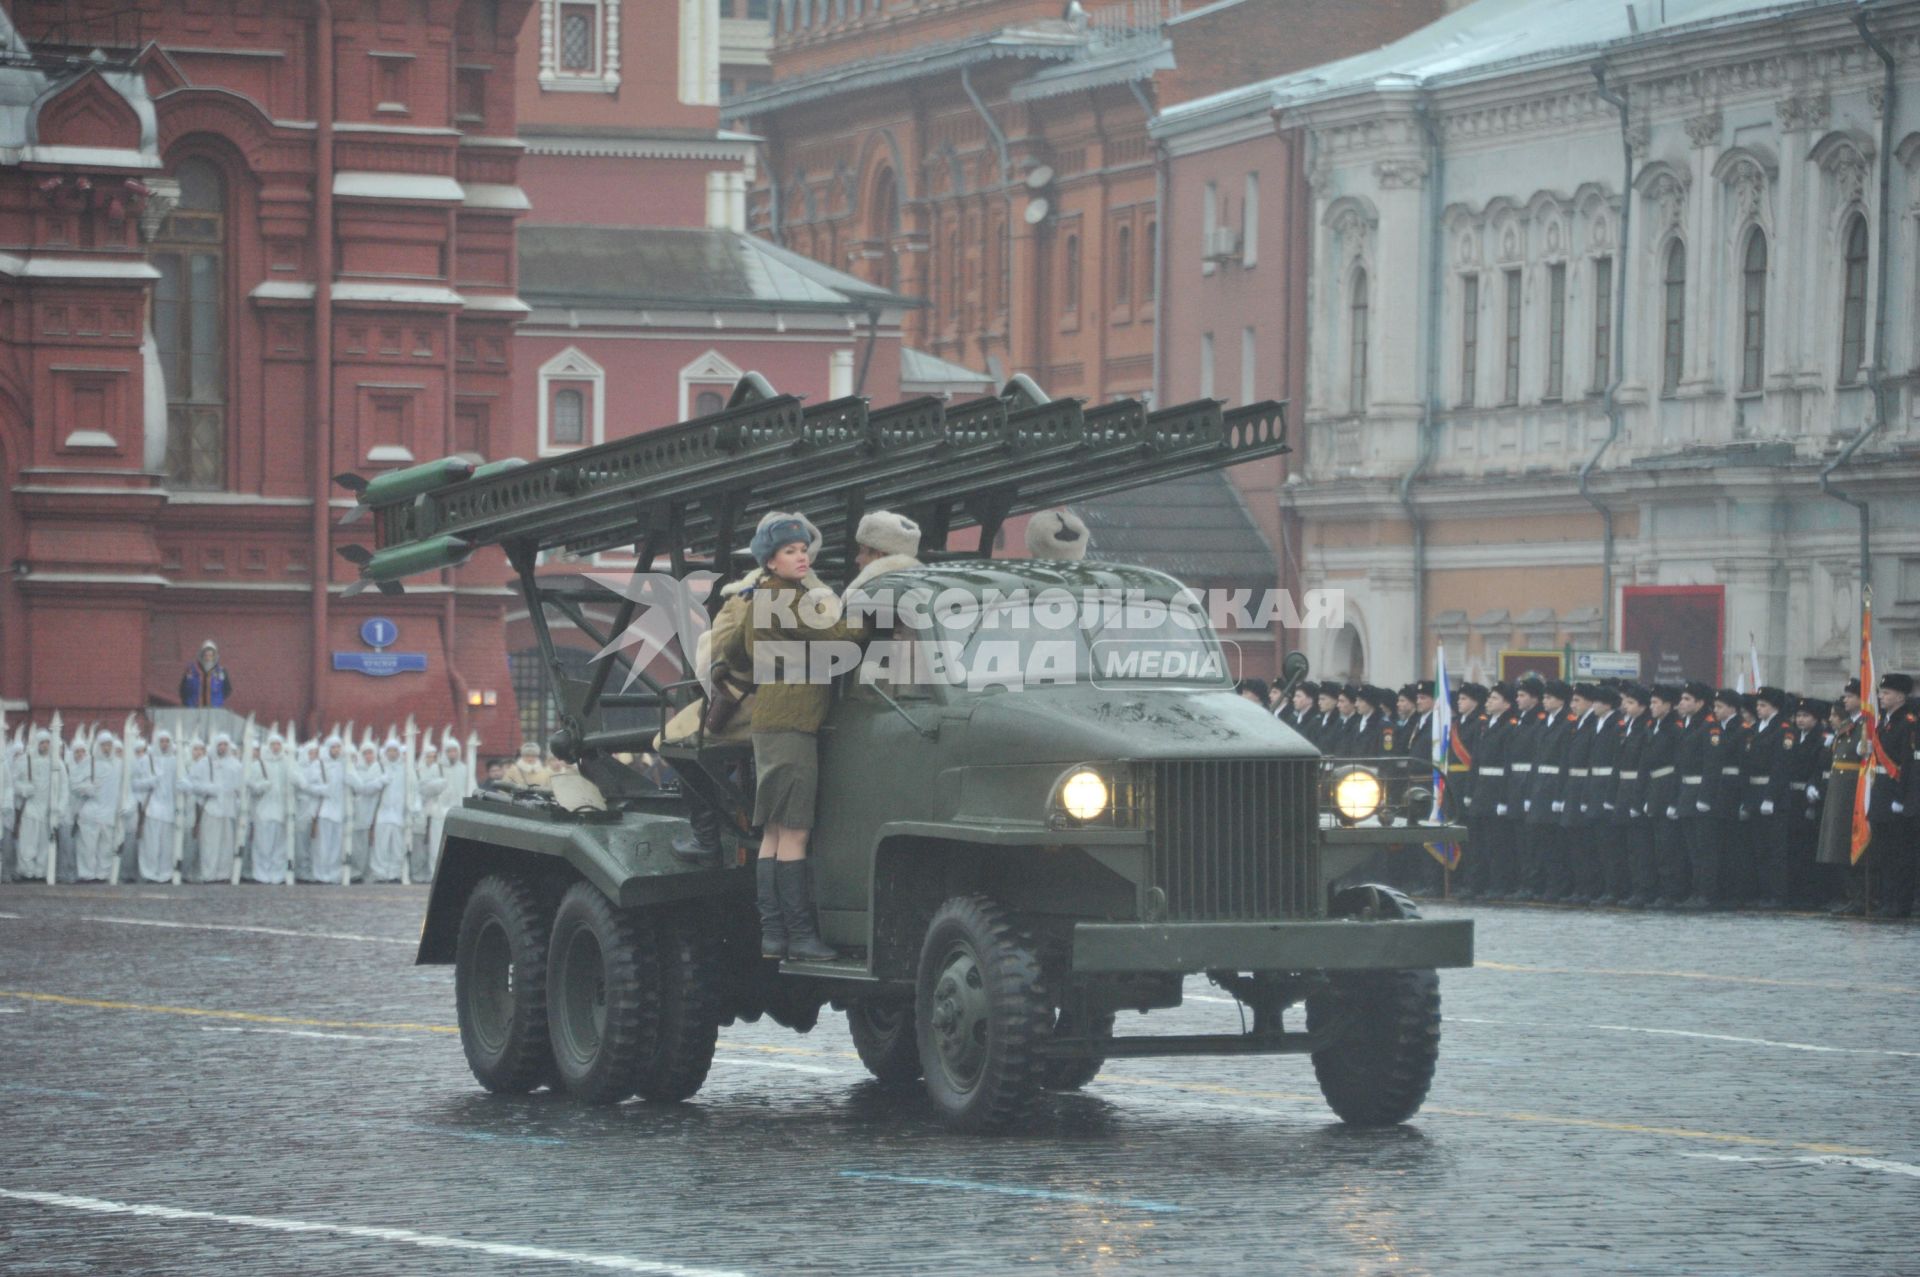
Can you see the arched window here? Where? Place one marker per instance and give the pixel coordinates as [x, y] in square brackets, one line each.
[1070, 278]
[1357, 350]
[189, 326]
[1153, 262]
[569, 419]
[1123, 267]
[1674, 348]
[708, 402]
[1853, 315]
[1753, 312]
[886, 220]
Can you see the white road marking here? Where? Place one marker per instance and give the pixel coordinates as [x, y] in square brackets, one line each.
[398, 1236]
[209, 926]
[1818, 1159]
[737, 1062]
[1691, 1033]
[309, 1033]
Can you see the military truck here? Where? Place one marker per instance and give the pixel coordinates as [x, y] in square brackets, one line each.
[1004, 870]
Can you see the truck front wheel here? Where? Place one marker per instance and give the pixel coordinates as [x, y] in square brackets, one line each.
[603, 995]
[1377, 1071]
[500, 985]
[981, 1012]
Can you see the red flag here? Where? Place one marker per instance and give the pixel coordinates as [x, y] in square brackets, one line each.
[1869, 717]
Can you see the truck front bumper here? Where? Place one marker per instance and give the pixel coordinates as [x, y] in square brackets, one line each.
[1334, 945]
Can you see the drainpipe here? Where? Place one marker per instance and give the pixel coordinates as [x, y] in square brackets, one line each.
[866, 356]
[1874, 378]
[320, 457]
[1436, 259]
[1615, 374]
[1160, 162]
[1006, 194]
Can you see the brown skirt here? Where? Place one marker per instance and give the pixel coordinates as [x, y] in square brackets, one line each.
[787, 776]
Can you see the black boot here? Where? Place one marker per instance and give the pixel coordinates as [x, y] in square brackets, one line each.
[796, 903]
[703, 848]
[773, 925]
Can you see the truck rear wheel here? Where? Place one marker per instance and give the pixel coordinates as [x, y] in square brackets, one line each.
[1071, 1075]
[980, 1012]
[500, 985]
[689, 1019]
[883, 1033]
[1378, 1071]
[603, 995]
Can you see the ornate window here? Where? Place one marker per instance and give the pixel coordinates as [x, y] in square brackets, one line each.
[572, 402]
[1674, 344]
[1070, 278]
[1853, 313]
[1602, 322]
[1357, 349]
[1510, 387]
[1753, 312]
[1153, 261]
[1123, 267]
[711, 374]
[1556, 330]
[580, 45]
[886, 220]
[190, 327]
[1469, 337]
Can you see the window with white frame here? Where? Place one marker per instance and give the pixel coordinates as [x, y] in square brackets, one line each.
[1249, 354]
[1250, 223]
[580, 45]
[572, 402]
[713, 373]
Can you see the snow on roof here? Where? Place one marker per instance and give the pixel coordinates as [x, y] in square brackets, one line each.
[919, 368]
[1485, 38]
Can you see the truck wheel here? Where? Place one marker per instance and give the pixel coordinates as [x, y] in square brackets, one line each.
[500, 985]
[1379, 1070]
[980, 1012]
[883, 1034]
[1071, 1075]
[689, 1020]
[603, 995]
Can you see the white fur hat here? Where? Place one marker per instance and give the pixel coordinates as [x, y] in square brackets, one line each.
[1057, 534]
[889, 533]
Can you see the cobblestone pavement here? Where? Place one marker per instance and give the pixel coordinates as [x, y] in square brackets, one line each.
[218, 1080]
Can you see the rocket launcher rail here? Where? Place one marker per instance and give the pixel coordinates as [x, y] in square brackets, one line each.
[697, 488]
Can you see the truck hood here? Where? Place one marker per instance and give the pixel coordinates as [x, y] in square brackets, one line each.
[1080, 723]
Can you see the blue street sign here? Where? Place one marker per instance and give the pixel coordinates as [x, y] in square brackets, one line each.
[378, 631]
[381, 664]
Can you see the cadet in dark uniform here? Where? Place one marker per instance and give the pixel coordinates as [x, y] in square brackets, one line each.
[1631, 878]
[1326, 714]
[1345, 718]
[1738, 877]
[1765, 767]
[1577, 844]
[1604, 879]
[1659, 766]
[1492, 845]
[1850, 756]
[1699, 756]
[1370, 735]
[1530, 725]
[1298, 713]
[1895, 802]
[1546, 803]
[1810, 885]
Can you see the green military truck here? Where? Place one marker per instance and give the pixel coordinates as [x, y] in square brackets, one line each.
[1005, 870]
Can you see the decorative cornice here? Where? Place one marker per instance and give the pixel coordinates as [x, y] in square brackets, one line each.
[1705, 130]
[1803, 112]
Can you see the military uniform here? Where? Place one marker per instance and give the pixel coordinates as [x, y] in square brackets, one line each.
[1726, 789]
[1522, 754]
[1699, 755]
[1895, 805]
[1765, 769]
[1546, 803]
[1631, 878]
[1659, 764]
[1810, 884]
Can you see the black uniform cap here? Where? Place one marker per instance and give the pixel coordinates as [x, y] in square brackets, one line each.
[1699, 691]
[1407, 690]
[1504, 688]
[1311, 689]
[1774, 697]
[1477, 691]
[1813, 705]
[1668, 692]
[1902, 683]
[1726, 696]
[1556, 687]
[1423, 687]
[1606, 696]
[1638, 691]
[1532, 684]
[1852, 688]
[1587, 691]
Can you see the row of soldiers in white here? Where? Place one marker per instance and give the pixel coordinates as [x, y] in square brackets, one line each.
[319, 812]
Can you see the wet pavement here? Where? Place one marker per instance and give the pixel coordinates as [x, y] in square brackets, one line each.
[255, 1079]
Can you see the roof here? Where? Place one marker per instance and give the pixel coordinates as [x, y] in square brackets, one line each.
[1196, 529]
[682, 267]
[919, 369]
[1011, 575]
[1483, 39]
[28, 82]
[1056, 41]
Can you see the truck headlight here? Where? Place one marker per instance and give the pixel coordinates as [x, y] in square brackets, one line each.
[1357, 794]
[1084, 795]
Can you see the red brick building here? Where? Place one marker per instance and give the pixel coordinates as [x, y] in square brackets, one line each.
[245, 247]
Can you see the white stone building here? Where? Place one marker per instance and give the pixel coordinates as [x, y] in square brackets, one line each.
[1469, 199]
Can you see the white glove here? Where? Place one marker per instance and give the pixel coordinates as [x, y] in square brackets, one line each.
[1702, 808]
[1559, 806]
[1606, 806]
[1527, 805]
[1673, 813]
[1499, 809]
[1766, 806]
[1898, 807]
[1813, 793]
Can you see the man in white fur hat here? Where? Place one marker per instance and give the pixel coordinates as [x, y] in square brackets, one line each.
[1058, 535]
[156, 780]
[887, 542]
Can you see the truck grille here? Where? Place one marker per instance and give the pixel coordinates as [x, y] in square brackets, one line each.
[1235, 839]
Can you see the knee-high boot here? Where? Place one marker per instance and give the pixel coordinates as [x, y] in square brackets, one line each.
[796, 903]
[773, 923]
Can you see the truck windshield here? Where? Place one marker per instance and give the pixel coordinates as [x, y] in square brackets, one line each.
[1059, 638]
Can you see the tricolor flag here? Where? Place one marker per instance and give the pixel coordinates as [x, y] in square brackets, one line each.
[1870, 719]
[1754, 681]
[1447, 854]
